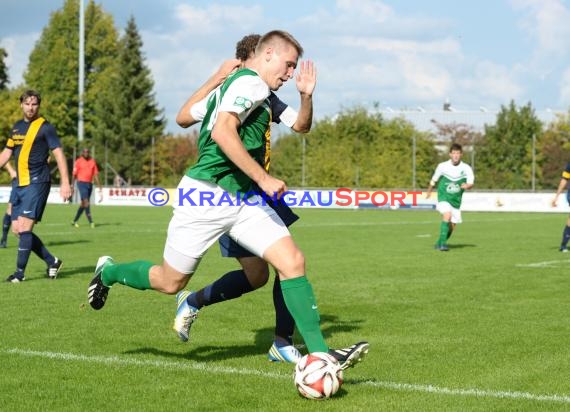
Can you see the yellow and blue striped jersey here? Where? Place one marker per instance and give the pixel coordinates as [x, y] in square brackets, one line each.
[30, 143]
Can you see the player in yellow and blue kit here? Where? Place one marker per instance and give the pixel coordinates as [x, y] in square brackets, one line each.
[30, 143]
[563, 185]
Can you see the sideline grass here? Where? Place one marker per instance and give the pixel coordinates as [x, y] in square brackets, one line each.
[483, 327]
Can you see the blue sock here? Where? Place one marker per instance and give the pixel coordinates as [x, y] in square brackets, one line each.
[230, 286]
[565, 237]
[88, 214]
[39, 249]
[78, 214]
[284, 322]
[6, 222]
[24, 250]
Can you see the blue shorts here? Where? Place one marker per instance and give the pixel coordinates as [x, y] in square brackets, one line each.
[230, 248]
[30, 201]
[85, 189]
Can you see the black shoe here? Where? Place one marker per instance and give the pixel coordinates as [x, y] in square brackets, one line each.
[2, 244]
[97, 292]
[54, 269]
[347, 357]
[16, 277]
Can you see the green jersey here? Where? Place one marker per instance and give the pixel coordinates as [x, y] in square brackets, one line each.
[449, 178]
[245, 94]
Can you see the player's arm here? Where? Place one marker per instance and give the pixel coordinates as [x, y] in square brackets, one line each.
[74, 173]
[184, 117]
[430, 188]
[225, 134]
[433, 181]
[306, 81]
[5, 156]
[469, 181]
[561, 187]
[65, 188]
[10, 169]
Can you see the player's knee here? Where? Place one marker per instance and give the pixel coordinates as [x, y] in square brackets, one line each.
[171, 287]
[257, 273]
[295, 264]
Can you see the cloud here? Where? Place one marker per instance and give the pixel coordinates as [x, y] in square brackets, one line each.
[217, 18]
[546, 23]
[18, 48]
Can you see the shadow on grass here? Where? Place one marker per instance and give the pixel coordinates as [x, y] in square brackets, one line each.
[66, 242]
[460, 246]
[330, 324]
[206, 353]
[262, 342]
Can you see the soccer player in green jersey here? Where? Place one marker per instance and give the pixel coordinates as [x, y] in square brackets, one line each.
[254, 271]
[452, 177]
[231, 144]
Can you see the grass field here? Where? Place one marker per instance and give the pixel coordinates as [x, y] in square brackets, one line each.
[482, 327]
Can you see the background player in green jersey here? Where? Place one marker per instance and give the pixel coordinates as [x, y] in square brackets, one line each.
[452, 177]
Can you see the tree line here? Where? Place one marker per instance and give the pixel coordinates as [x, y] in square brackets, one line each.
[126, 127]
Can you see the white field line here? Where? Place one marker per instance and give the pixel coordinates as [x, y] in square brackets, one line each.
[208, 368]
[544, 264]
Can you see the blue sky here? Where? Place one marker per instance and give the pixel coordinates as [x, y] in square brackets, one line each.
[398, 54]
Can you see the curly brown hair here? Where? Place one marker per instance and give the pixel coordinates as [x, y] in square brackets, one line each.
[245, 48]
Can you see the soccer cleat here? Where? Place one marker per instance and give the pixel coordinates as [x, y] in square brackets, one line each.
[287, 353]
[74, 224]
[185, 316]
[97, 291]
[563, 249]
[16, 277]
[54, 269]
[3, 244]
[348, 357]
[92, 225]
[441, 247]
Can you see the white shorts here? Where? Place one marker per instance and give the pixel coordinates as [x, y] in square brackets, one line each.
[202, 216]
[444, 207]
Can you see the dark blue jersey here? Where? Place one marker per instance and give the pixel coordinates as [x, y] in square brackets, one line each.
[277, 107]
[30, 143]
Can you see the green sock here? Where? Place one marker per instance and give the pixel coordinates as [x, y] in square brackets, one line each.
[301, 302]
[443, 230]
[134, 274]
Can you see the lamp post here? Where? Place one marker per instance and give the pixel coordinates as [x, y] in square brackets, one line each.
[81, 83]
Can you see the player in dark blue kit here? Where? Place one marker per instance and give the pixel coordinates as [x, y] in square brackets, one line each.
[30, 143]
[563, 185]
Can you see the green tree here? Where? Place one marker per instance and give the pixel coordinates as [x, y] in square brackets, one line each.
[356, 149]
[4, 79]
[172, 157]
[128, 116]
[504, 160]
[53, 68]
[554, 147]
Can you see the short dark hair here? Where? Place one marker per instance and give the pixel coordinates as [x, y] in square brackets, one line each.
[455, 146]
[275, 36]
[31, 93]
[246, 46]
